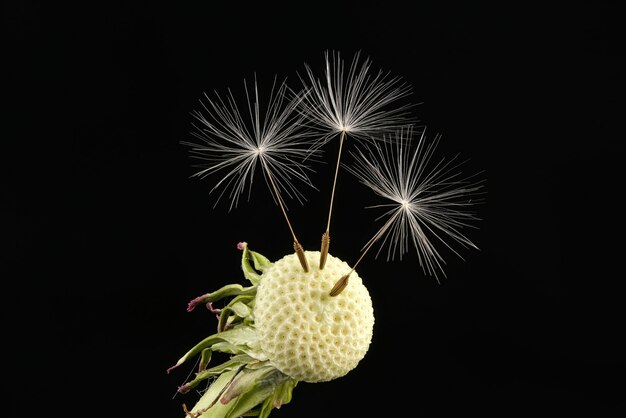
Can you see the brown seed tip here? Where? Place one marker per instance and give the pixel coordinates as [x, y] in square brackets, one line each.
[300, 253]
[324, 249]
[340, 285]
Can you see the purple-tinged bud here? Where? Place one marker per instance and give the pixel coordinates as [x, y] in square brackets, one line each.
[195, 302]
[184, 388]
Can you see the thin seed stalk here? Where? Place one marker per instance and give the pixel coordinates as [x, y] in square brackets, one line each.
[296, 245]
[326, 235]
[324, 249]
[301, 257]
[341, 284]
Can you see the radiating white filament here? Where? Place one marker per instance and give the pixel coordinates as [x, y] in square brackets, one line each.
[429, 200]
[357, 102]
[231, 142]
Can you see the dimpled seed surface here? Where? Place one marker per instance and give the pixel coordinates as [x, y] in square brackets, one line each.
[305, 333]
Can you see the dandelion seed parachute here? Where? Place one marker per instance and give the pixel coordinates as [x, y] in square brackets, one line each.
[429, 201]
[355, 103]
[360, 102]
[232, 142]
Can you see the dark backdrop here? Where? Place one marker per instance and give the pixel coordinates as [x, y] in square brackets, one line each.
[106, 237]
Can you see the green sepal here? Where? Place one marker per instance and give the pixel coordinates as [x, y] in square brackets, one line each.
[240, 309]
[238, 392]
[226, 347]
[285, 392]
[251, 388]
[260, 264]
[205, 358]
[243, 389]
[224, 321]
[253, 351]
[241, 335]
[239, 306]
[281, 396]
[223, 292]
[246, 384]
[234, 363]
[246, 381]
[209, 401]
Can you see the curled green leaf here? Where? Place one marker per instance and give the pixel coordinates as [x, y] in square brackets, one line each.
[237, 336]
[223, 292]
[259, 261]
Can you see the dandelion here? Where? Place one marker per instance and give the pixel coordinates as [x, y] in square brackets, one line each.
[232, 146]
[429, 200]
[290, 324]
[355, 103]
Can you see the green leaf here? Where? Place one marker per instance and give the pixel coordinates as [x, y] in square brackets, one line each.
[225, 319]
[260, 263]
[280, 396]
[205, 358]
[210, 399]
[267, 406]
[241, 335]
[252, 387]
[237, 392]
[246, 381]
[223, 292]
[234, 363]
[285, 391]
[226, 347]
[240, 309]
[244, 391]
[239, 306]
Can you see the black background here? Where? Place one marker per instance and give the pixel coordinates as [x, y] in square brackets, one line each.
[106, 237]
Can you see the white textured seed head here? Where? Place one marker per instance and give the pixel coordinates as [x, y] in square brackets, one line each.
[306, 333]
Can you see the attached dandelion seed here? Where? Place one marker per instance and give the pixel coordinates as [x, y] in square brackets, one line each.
[430, 200]
[357, 103]
[232, 146]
